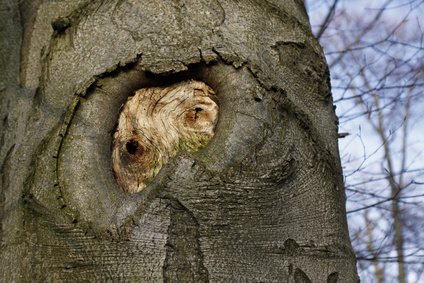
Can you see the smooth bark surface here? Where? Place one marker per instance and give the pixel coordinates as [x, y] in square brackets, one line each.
[262, 202]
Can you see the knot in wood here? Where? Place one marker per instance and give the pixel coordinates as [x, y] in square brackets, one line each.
[155, 124]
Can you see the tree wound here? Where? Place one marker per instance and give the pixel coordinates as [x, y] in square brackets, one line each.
[155, 124]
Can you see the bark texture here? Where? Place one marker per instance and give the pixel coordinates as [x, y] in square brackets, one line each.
[262, 202]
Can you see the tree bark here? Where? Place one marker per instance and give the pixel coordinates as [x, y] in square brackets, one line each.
[262, 202]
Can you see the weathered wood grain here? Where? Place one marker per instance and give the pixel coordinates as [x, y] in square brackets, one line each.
[155, 124]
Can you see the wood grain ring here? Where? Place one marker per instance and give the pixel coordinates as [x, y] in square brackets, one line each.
[155, 124]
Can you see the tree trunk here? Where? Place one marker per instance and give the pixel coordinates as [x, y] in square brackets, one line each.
[262, 202]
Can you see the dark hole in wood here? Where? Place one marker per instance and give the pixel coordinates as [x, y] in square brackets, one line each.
[60, 25]
[132, 146]
[197, 110]
[257, 99]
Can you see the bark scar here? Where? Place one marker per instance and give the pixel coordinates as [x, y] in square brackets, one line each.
[155, 124]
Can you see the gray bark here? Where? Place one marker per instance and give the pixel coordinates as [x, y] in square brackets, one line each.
[263, 202]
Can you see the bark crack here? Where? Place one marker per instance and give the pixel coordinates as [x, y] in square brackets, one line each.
[63, 131]
[184, 258]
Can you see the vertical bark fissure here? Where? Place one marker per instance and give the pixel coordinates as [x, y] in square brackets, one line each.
[301, 277]
[67, 121]
[184, 258]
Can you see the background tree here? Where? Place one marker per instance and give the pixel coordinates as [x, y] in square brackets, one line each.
[262, 202]
[373, 50]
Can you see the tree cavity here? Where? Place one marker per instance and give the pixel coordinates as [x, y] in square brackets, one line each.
[155, 124]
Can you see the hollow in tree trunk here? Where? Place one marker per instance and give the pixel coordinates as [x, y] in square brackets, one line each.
[260, 200]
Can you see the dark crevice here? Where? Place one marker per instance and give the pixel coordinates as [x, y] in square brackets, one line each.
[301, 277]
[60, 25]
[132, 146]
[184, 258]
[256, 73]
[333, 277]
[230, 59]
[63, 131]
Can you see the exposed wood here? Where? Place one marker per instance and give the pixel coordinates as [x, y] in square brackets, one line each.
[155, 124]
[262, 202]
